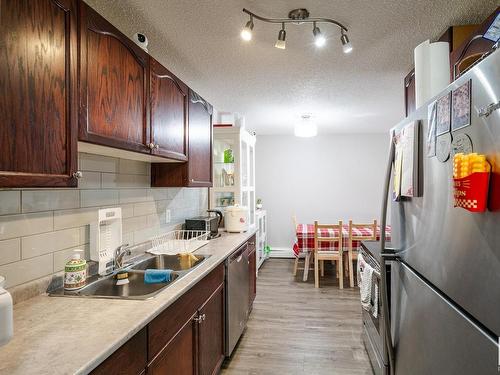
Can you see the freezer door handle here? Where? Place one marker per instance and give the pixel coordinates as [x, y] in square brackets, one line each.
[488, 110]
[383, 280]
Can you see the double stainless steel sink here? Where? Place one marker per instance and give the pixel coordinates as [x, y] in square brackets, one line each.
[136, 288]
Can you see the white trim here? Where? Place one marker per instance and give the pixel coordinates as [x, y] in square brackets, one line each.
[281, 252]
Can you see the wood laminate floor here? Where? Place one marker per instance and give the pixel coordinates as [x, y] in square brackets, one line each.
[297, 329]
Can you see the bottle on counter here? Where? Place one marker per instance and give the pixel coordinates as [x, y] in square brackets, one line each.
[6, 314]
[75, 271]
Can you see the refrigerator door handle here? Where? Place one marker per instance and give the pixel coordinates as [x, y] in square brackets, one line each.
[383, 250]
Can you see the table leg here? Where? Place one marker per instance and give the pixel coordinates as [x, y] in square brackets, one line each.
[307, 261]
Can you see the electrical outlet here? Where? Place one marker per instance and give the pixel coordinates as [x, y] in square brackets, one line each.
[167, 217]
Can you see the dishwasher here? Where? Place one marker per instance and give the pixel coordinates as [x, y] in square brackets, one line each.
[237, 296]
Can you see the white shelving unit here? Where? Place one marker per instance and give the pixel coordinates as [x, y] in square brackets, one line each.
[234, 183]
[261, 220]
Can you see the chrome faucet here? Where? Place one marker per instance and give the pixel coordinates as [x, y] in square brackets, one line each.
[120, 252]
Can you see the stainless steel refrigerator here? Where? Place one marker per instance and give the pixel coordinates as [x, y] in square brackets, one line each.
[445, 282]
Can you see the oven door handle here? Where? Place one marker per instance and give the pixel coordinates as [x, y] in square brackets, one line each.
[383, 279]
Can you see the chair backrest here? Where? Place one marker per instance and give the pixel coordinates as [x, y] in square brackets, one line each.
[334, 234]
[366, 237]
[295, 223]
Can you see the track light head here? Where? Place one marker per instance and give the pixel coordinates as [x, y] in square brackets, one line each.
[319, 38]
[246, 33]
[281, 42]
[346, 45]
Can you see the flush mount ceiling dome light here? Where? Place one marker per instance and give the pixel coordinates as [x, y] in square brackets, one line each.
[306, 127]
[297, 17]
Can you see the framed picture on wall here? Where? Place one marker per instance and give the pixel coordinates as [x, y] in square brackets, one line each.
[443, 114]
[460, 104]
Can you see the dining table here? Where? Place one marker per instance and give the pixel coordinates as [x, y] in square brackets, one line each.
[305, 237]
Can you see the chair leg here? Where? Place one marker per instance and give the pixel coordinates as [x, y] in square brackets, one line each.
[341, 272]
[295, 266]
[322, 268]
[306, 266]
[316, 272]
[351, 269]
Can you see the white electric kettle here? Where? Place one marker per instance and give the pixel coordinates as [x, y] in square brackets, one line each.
[236, 219]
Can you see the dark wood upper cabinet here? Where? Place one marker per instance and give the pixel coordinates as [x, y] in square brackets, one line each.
[114, 86]
[169, 113]
[197, 172]
[200, 141]
[211, 334]
[38, 59]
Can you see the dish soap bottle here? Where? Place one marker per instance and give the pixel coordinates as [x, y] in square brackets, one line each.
[75, 272]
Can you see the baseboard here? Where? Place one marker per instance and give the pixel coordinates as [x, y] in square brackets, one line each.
[281, 252]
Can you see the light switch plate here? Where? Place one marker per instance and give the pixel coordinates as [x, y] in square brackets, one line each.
[167, 217]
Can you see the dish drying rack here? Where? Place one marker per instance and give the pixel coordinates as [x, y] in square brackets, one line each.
[179, 241]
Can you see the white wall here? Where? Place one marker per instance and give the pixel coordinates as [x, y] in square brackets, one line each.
[326, 178]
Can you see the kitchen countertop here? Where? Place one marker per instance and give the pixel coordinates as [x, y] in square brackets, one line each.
[373, 248]
[58, 335]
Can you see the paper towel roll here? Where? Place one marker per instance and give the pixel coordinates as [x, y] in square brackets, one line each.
[6, 319]
[432, 70]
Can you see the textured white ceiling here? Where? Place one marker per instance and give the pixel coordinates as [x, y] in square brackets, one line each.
[361, 92]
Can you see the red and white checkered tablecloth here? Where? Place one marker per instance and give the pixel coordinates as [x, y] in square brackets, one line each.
[305, 237]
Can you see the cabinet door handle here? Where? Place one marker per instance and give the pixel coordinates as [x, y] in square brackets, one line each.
[151, 146]
[78, 174]
[200, 318]
[157, 146]
[488, 110]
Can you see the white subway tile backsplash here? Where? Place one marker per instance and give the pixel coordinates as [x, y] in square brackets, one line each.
[134, 167]
[10, 251]
[90, 180]
[94, 198]
[135, 195]
[159, 194]
[49, 200]
[25, 224]
[10, 202]
[74, 218]
[113, 181]
[27, 270]
[40, 229]
[134, 223]
[97, 163]
[45, 243]
[144, 208]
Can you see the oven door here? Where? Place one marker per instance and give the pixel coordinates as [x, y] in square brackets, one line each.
[373, 326]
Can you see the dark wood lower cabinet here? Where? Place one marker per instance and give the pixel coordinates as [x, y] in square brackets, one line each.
[211, 334]
[252, 265]
[179, 356]
[187, 338]
[130, 359]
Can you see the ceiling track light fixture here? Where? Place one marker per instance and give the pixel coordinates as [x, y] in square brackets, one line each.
[281, 42]
[297, 17]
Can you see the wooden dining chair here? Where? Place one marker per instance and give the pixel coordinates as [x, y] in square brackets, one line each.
[358, 237]
[307, 257]
[334, 255]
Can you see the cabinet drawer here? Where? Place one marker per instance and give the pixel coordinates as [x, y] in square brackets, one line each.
[130, 358]
[166, 325]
